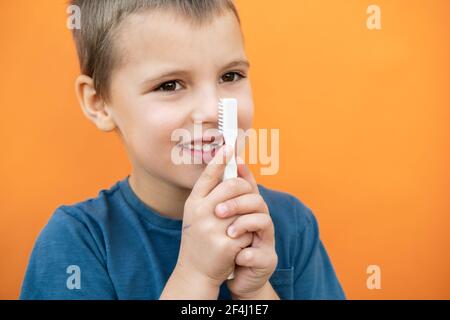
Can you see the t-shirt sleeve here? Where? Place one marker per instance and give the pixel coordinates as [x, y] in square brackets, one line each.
[67, 263]
[314, 276]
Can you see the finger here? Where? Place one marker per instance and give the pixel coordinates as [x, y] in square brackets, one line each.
[243, 241]
[212, 175]
[256, 258]
[228, 189]
[261, 223]
[245, 173]
[246, 203]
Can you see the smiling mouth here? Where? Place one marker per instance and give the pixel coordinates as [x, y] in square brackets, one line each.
[204, 147]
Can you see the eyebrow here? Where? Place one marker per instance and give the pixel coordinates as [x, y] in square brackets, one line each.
[237, 63]
[174, 73]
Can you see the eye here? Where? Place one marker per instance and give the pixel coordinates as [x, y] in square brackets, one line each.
[232, 77]
[169, 86]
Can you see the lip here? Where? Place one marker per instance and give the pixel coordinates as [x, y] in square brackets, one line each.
[205, 140]
[206, 156]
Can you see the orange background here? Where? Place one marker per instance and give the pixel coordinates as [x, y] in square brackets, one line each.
[363, 118]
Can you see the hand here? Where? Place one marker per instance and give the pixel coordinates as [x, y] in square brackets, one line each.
[256, 263]
[207, 253]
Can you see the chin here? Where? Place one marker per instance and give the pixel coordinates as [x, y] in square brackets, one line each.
[187, 175]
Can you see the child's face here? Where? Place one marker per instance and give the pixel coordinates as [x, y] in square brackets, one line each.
[197, 65]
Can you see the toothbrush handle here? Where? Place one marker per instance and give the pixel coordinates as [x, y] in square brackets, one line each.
[230, 169]
[230, 172]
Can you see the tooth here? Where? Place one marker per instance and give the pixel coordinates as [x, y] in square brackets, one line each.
[198, 147]
[206, 147]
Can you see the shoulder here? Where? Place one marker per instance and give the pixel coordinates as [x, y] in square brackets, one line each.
[84, 220]
[95, 208]
[74, 237]
[91, 211]
[288, 213]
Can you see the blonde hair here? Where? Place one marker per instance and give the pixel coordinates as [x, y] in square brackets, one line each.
[100, 20]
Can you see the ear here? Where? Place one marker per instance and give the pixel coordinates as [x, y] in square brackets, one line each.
[93, 106]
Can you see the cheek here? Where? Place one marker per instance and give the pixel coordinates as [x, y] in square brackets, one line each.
[158, 127]
[246, 111]
[245, 108]
[151, 134]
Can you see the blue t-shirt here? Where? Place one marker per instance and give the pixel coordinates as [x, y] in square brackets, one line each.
[116, 247]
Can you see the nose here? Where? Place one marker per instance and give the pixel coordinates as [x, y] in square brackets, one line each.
[205, 106]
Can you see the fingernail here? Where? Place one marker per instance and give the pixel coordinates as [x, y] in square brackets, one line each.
[232, 231]
[222, 209]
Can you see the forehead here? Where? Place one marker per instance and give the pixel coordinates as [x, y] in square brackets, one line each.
[162, 37]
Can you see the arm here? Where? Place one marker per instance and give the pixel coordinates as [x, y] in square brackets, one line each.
[185, 285]
[66, 263]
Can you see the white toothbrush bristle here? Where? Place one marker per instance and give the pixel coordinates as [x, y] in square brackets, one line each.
[220, 121]
[227, 115]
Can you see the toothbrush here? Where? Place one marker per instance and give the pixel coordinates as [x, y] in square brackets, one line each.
[228, 127]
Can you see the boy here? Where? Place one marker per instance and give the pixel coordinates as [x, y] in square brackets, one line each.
[172, 231]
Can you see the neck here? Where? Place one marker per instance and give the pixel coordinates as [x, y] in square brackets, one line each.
[165, 198]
